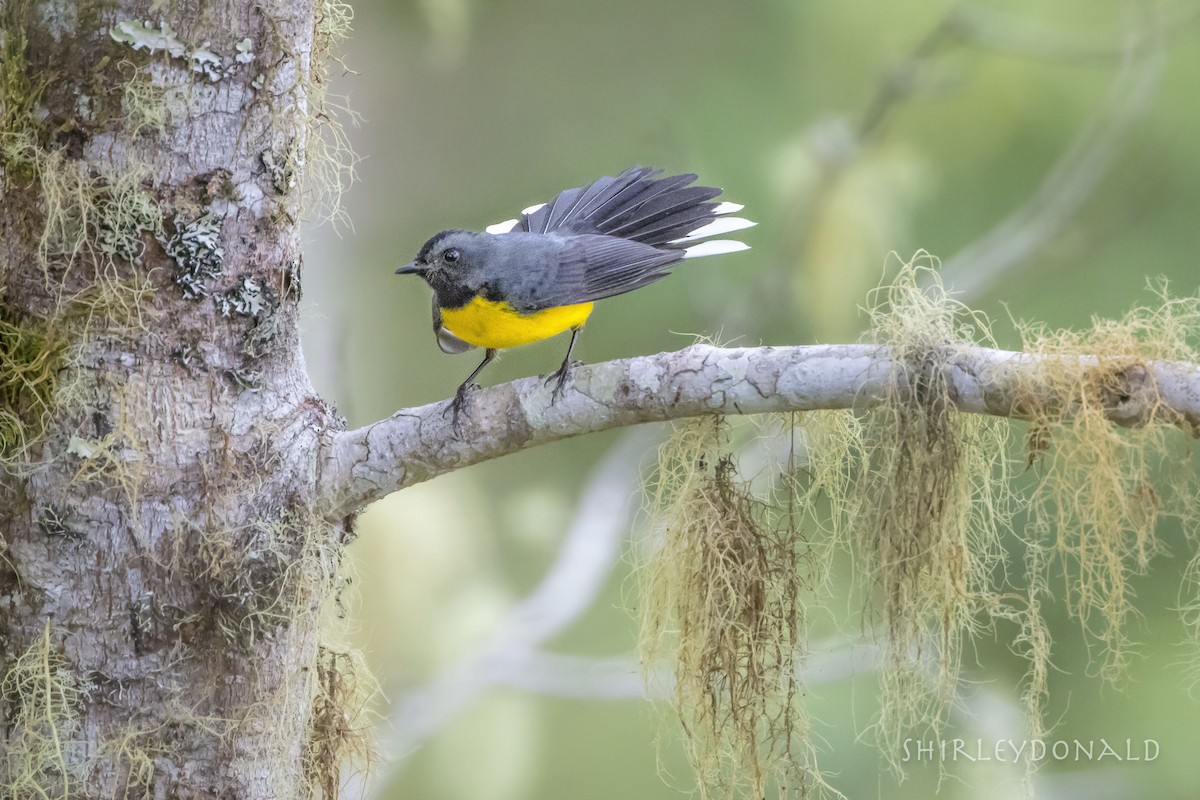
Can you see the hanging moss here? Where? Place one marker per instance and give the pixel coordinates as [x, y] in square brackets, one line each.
[31, 352]
[721, 599]
[922, 496]
[39, 705]
[1103, 489]
[20, 93]
[340, 729]
[929, 504]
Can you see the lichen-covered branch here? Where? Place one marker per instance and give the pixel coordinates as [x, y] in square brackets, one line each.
[417, 444]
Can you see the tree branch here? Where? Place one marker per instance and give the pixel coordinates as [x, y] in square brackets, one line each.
[416, 444]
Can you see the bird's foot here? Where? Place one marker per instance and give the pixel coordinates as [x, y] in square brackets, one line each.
[560, 378]
[457, 408]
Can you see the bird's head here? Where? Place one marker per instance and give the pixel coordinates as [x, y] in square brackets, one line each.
[450, 256]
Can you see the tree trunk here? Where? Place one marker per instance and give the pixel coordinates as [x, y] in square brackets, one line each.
[161, 569]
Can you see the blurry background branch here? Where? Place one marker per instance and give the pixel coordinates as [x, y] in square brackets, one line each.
[1073, 179]
[1006, 34]
[512, 655]
[414, 445]
[590, 549]
[1086, 159]
[865, 170]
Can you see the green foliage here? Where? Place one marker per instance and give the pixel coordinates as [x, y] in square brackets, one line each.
[498, 110]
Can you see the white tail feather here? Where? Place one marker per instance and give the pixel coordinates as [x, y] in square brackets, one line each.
[714, 248]
[502, 227]
[727, 208]
[722, 225]
[533, 209]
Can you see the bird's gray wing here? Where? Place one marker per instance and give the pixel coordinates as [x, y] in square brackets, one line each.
[592, 267]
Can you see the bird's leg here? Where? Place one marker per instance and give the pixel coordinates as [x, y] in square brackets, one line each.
[564, 371]
[459, 403]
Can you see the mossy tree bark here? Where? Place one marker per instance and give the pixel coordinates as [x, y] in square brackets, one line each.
[161, 570]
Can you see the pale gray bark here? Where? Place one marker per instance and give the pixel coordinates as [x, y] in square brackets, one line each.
[417, 444]
[158, 553]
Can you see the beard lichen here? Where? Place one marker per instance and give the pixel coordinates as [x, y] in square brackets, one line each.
[928, 506]
[1103, 489]
[20, 94]
[75, 212]
[327, 160]
[143, 103]
[340, 729]
[923, 497]
[40, 698]
[31, 353]
[255, 578]
[721, 597]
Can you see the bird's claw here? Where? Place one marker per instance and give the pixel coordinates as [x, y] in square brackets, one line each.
[458, 406]
[560, 376]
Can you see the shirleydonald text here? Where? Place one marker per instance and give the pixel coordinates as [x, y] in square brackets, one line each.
[1017, 750]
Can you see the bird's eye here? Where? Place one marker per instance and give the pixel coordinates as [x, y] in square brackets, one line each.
[450, 256]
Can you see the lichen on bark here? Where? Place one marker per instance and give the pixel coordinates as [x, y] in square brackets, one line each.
[159, 545]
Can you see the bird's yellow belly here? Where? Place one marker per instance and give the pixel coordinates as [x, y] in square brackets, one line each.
[485, 323]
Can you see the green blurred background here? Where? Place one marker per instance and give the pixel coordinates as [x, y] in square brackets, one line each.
[851, 131]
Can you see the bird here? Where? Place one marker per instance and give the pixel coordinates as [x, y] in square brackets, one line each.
[538, 275]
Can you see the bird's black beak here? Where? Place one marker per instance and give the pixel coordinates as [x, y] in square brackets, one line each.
[411, 268]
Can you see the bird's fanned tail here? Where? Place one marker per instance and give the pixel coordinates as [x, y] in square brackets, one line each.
[668, 213]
